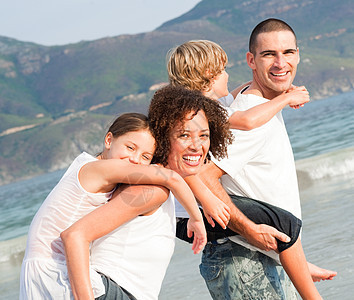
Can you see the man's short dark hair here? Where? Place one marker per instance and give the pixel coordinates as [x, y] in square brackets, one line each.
[268, 25]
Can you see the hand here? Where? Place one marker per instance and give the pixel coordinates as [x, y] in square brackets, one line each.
[217, 210]
[197, 228]
[264, 237]
[298, 96]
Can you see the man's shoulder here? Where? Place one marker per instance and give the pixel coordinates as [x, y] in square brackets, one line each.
[227, 100]
[246, 101]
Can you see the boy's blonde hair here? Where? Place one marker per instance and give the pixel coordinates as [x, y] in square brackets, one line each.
[195, 63]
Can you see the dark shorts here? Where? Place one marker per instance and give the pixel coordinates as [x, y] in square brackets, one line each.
[113, 291]
[257, 211]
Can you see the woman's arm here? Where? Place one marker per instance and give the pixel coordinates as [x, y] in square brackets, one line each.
[195, 226]
[127, 203]
[261, 114]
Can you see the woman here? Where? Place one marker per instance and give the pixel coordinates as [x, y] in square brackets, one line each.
[141, 219]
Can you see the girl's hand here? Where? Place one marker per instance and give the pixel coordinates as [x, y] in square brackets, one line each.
[216, 210]
[197, 228]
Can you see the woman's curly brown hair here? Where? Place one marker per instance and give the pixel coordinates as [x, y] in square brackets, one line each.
[170, 105]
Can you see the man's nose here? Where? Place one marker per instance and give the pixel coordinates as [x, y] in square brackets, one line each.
[280, 61]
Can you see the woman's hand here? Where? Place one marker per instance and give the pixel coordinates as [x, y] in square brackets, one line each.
[197, 228]
[215, 209]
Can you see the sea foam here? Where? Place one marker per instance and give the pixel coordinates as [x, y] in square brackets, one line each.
[13, 250]
[328, 165]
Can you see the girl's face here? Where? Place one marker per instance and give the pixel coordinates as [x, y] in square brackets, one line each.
[190, 144]
[137, 147]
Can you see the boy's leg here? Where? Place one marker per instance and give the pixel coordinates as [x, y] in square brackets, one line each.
[294, 263]
[258, 212]
[263, 213]
[213, 233]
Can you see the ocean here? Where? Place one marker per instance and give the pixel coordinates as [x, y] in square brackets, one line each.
[322, 136]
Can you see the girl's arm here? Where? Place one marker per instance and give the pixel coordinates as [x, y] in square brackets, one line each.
[213, 207]
[185, 196]
[127, 203]
[261, 114]
[103, 175]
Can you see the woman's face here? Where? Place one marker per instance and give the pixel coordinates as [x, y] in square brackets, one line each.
[190, 144]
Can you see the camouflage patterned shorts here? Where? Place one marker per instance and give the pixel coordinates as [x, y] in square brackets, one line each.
[233, 272]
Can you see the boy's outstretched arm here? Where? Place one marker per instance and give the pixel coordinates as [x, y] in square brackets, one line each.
[262, 113]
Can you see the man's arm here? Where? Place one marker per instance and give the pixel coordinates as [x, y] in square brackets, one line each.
[260, 235]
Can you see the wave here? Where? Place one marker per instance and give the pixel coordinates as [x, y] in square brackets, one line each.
[328, 165]
[13, 250]
[309, 170]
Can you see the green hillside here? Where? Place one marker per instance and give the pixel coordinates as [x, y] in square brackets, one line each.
[56, 101]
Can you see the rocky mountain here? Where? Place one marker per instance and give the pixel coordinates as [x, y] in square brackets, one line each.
[57, 101]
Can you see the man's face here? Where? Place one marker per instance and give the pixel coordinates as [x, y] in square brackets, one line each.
[275, 62]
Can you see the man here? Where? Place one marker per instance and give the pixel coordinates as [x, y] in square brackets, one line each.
[200, 65]
[260, 166]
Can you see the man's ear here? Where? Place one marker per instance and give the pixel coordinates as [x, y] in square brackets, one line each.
[298, 54]
[250, 60]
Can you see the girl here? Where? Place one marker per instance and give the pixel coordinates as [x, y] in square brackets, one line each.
[89, 183]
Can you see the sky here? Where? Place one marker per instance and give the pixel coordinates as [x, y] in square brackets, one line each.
[60, 22]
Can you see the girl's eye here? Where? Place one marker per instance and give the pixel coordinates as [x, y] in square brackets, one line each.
[130, 147]
[146, 157]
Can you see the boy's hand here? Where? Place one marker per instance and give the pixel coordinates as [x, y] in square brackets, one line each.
[298, 96]
[197, 228]
[216, 210]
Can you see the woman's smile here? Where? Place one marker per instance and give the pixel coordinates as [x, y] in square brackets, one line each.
[189, 144]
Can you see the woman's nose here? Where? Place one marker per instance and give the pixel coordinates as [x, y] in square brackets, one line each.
[196, 144]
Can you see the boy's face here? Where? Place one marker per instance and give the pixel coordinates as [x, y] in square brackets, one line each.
[219, 85]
